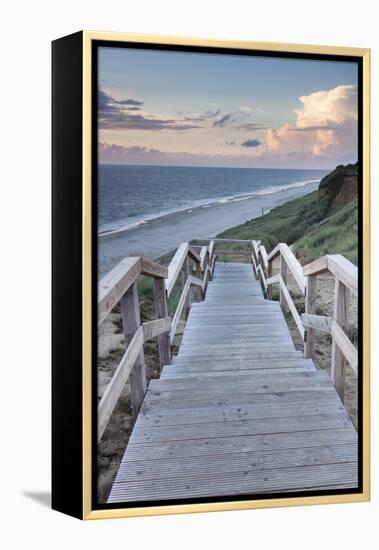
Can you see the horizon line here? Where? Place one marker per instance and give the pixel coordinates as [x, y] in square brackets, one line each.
[202, 166]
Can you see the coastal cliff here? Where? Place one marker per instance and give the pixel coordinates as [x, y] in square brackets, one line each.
[322, 222]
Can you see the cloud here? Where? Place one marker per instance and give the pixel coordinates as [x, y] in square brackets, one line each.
[251, 126]
[326, 124]
[114, 114]
[328, 107]
[325, 140]
[111, 153]
[238, 116]
[212, 114]
[118, 154]
[251, 143]
[221, 122]
[130, 102]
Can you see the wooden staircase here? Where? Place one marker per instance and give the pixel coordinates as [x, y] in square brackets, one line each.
[239, 411]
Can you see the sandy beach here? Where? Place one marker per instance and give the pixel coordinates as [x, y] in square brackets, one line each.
[160, 235]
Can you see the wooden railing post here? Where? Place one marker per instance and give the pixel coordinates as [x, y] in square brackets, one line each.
[283, 272]
[254, 259]
[269, 275]
[310, 307]
[197, 289]
[340, 314]
[185, 274]
[161, 311]
[131, 320]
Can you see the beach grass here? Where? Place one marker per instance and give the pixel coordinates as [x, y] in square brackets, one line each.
[305, 224]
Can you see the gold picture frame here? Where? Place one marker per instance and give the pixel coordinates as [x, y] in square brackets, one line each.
[88, 38]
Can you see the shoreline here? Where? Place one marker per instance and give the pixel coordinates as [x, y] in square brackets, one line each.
[156, 237]
[205, 203]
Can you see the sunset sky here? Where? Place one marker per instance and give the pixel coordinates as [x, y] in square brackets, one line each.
[190, 109]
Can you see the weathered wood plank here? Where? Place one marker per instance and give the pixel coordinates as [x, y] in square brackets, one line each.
[263, 460]
[294, 266]
[131, 320]
[323, 397]
[340, 316]
[316, 322]
[185, 276]
[240, 444]
[211, 249]
[234, 483]
[316, 267]
[263, 256]
[345, 271]
[179, 309]
[283, 275]
[262, 278]
[344, 344]
[153, 269]
[203, 257]
[161, 312]
[175, 266]
[194, 255]
[275, 252]
[115, 386]
[114, 285]
[310, 310]
[292, 308]
[157, 416]
[151, 329]
[186, 368]
[196, 281]
[207, 273]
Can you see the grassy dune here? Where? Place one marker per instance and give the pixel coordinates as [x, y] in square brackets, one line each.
[325, 221]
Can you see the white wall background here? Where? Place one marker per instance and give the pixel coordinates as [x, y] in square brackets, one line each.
[27, 29]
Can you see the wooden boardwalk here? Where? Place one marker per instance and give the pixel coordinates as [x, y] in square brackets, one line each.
[239, 411]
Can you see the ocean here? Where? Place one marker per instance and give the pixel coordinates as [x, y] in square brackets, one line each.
[133, 195]
[149, 210]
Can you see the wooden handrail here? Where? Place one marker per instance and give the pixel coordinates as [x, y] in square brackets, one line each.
[120, 286]
[287, 296]
[113, 390]
[115, 283]
[203, 263]
[346, 280]
[341, 268]
[152, 269]
[317, 322]
[264, 256]
[330, 326]
[175, 266]
[193, 255]
[152, 329]
[179, 309]
[344, 344]
[203, 257]
[292, 263]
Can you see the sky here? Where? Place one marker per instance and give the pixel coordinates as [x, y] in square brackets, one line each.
[191, 109]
